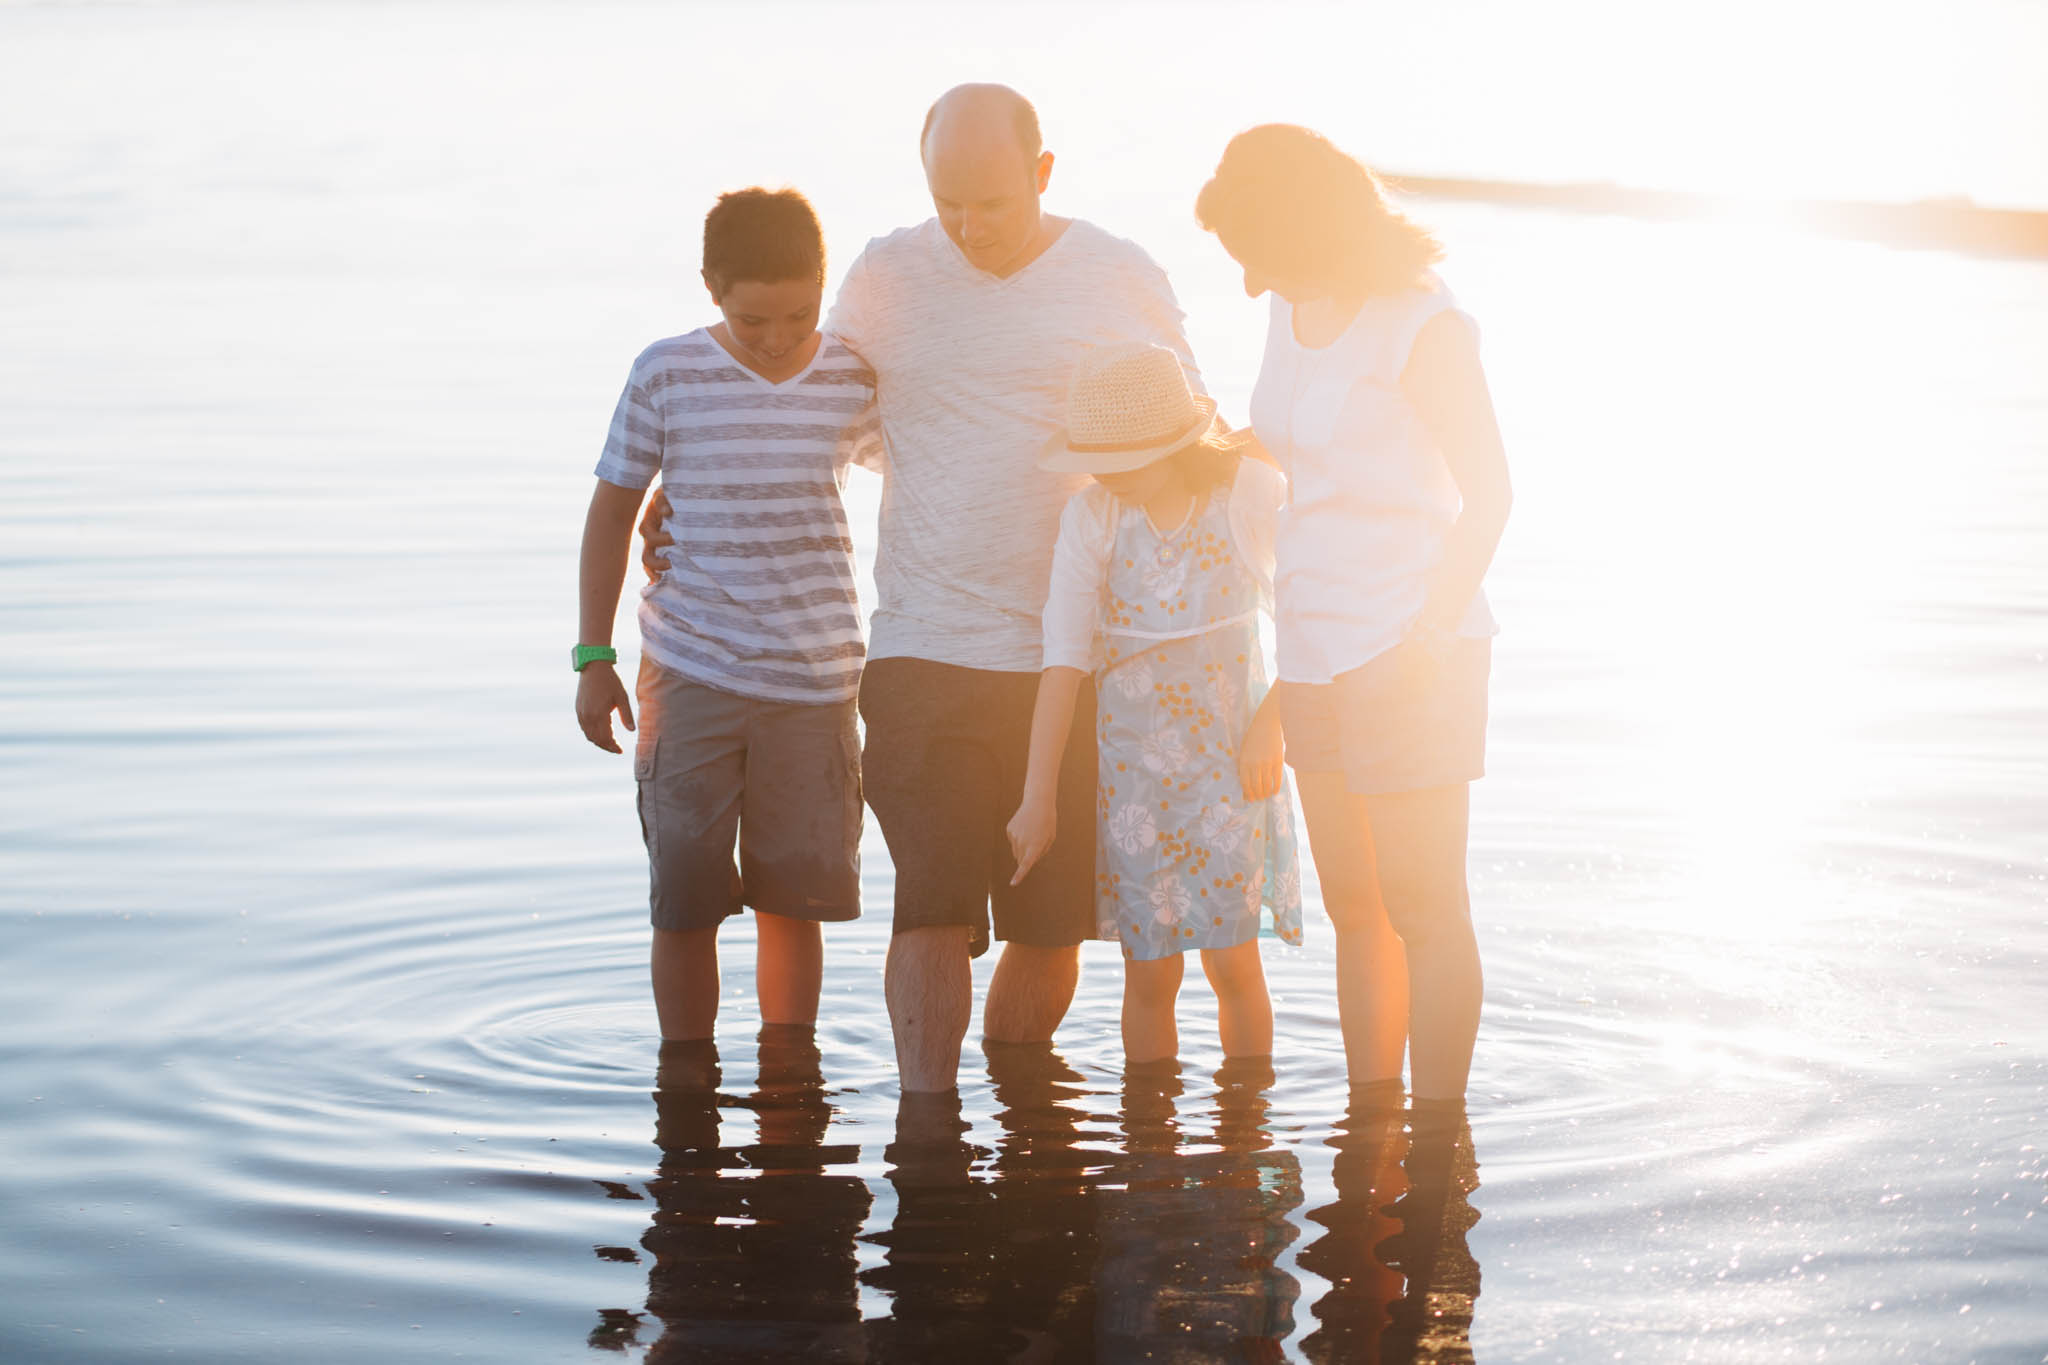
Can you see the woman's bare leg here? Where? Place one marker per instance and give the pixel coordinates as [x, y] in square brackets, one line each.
[1244, 1011]
[1151, 1033]
[1421, 839]
[1372, 968]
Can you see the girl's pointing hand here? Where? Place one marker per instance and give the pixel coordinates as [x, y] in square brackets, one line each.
[1031, 832]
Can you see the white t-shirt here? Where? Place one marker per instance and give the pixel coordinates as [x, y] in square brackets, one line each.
[1080, 561]
[971, 375]
[1371, 497]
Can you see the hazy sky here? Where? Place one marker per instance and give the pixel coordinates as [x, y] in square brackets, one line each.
[1873, 99]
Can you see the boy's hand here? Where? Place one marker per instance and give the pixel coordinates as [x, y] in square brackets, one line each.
[1031, 832]
[599, 693]
[1261, 759]
[654, 537]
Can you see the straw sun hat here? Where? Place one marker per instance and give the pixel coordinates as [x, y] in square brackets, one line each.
[1127, 405]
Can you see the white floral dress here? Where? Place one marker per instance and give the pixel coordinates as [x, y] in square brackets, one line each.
[1183, 860]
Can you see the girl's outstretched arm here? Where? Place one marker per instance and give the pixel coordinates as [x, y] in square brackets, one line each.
[1032, 828]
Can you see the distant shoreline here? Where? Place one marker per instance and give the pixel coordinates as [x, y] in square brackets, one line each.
[1948, 224]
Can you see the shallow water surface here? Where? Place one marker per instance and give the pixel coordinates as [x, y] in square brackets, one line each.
[328, 1035]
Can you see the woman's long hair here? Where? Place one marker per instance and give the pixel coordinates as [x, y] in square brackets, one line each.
[1287, 200]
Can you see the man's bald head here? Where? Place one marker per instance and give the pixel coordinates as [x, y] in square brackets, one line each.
[985, 170]
[976, 111]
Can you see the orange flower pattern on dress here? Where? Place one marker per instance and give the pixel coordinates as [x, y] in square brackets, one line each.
[1184, 861]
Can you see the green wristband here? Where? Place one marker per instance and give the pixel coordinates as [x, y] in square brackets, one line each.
[592, 654]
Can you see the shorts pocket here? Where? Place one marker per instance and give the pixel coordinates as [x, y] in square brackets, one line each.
[644, 797]
[850, 788]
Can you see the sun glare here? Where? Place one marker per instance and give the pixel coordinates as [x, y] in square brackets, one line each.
[1754, 526]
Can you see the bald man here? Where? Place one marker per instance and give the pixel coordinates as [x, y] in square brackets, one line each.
[972, 322]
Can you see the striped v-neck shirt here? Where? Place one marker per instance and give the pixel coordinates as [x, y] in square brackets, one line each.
[758, 597]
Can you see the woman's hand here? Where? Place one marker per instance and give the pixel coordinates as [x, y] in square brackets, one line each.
[599, 693]
[1420, 656]
[654, 536]
[1031, 832]
[1261, 759]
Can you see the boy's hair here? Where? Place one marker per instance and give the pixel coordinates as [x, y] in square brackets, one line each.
[1206, 465]
[763, 235]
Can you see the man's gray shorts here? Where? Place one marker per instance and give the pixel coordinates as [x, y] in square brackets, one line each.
[784, 777]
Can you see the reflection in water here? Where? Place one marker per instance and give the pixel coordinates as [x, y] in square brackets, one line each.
[1190, 1238]
[1000, 1268]
[752, 1245]
[1057, 1244]
[1403, 1280]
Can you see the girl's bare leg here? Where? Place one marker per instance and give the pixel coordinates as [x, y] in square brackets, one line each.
[684, 965]
[1151, 1032]
[1372, 966]
[1421, 838]
[789, 967]
[1244, 1011]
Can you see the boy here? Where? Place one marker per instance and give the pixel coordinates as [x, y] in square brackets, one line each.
[751, 644]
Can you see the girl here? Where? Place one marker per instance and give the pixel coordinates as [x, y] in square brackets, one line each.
[1157, 579]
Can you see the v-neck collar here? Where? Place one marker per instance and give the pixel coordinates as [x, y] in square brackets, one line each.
[959, 258]
[755, 374]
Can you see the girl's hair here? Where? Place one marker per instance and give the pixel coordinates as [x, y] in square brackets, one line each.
[764, 235]
[1206, 465]
[1286, 199]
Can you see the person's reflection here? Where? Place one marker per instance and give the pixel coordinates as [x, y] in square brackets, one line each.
[1191, 1238]
[1403, 1279]
[753, 1246]
[998, 1268]
[1044, 1187]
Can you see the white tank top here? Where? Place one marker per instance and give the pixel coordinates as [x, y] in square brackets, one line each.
[1371, 497]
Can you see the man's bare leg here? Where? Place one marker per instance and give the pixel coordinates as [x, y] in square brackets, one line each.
[684, 965]
[931, 993]
[789, 967]
[1029, 993]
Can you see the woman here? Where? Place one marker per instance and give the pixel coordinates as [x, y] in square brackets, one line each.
[1372, 399]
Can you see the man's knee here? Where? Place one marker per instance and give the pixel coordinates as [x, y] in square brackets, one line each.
[1065, 957]
[929, 943]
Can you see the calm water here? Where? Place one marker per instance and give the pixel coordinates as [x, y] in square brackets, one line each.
[327, 1035]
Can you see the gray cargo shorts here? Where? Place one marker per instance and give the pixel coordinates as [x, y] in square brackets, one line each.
[784, 777]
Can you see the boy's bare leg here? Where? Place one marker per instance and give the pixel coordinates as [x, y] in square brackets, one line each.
[684, 966]
[789, 968]
[1029, 993]
[931, 993]
[1244, 1011]
[1151, 989]
[1372, 965]
[1422, 880]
